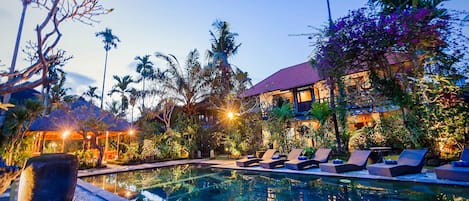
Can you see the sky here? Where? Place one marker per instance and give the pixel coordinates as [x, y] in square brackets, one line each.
[266, 29]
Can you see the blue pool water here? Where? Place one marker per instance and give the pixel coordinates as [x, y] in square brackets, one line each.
[200, 182]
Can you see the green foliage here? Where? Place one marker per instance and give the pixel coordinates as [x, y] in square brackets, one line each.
[223, 44]
[86, 159]
[278, 125]
[123, 89]
[16, 124]
[148, 148]
[243, 135]
[324, 135]
[133, 154]
[109, 39]
[443, 115]
[192, 132]
[320, 111]
[309, 152]
[171, 146]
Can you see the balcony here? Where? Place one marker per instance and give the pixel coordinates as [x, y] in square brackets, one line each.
[303, 107]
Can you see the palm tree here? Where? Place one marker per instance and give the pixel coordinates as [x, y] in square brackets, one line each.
[223, 46]
[58, 91]
[122, 87]
[145, 68]
[109, 41]
[91, 93]
[132, 100]
[18, 121]
[187, 83]
[321, 112]
[390, 6]
[113, 107]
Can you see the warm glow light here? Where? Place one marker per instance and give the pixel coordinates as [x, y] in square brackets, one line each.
[131, 131]
[230, 115]
[53, 144]
[128, 194]
[65, 134]
[88, 137]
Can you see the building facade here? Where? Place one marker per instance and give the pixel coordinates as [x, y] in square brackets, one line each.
[302, 85]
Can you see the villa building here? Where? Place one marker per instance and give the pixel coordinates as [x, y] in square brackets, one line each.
[302, 85]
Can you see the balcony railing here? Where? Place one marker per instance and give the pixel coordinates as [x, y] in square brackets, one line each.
[303, 106]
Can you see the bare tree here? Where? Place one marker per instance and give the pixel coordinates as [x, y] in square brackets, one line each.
[164, 113]
[48, 35]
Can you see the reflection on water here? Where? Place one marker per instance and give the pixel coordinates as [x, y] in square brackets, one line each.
[200, 182]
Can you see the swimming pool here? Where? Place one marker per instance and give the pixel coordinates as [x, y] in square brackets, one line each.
[201, 182]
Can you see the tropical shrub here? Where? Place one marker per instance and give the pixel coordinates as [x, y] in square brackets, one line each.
[86, 159]
[278, 123]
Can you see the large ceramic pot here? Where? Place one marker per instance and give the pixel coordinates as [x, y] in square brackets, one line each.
[50, 177]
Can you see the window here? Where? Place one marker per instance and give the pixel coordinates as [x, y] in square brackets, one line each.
[279, 99]
[304, 96]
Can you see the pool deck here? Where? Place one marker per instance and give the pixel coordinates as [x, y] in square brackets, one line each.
[87, 192]
[426, 176]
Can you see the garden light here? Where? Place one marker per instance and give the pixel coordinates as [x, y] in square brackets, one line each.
[230, 115]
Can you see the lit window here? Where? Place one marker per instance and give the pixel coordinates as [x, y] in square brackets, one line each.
[304, 96]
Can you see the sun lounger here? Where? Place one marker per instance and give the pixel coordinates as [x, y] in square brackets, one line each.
[321, 156]
[410, 162]
[250, 161]
[454, 171]
[274, 163]
[356, 161]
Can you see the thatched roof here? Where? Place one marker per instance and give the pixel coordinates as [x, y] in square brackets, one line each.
[71, 117]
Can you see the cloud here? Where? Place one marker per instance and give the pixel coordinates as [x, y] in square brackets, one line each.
[132, 65]
[77, 79]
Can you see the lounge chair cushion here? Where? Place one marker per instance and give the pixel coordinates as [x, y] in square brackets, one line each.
[460, 163]
[337, 161]
[276, 157]
[250, 156]
[302, 158]
[390, 162]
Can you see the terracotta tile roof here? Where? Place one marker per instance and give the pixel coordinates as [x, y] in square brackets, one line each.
[291, 77]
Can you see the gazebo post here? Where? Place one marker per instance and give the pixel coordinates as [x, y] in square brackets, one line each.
[43, 142]
[106, 146]
[118, 144]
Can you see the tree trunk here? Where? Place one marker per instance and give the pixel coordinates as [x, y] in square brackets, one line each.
[14, 144]
[334, 116]
[143, 94]
[104, 79]
[6, 97]
[100, 149]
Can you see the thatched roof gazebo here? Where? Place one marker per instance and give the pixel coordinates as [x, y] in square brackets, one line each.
[79, 120]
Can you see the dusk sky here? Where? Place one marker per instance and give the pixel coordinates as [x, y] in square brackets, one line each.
[176, 27]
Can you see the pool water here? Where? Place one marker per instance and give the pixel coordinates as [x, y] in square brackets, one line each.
[200, 182]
